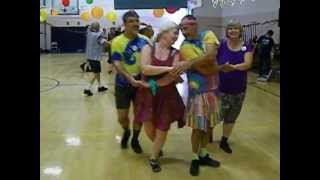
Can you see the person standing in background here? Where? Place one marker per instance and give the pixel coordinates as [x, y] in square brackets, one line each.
[94, 47]
[265, 45]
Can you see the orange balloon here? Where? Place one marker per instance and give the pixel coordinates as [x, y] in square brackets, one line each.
[97, 12]
[158, 12]
[85, 16]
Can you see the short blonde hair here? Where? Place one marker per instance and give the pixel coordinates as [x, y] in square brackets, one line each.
[234, 24]
[165, 27]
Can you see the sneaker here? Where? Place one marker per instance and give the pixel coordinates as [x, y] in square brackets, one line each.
[101, 89]
[208, 161]
[210, 138]
[135, 145]
[87, 92]
[155, 166]
[269, 74]
[82, 66]
[225, 147]
[262, 79]
[160, 153]
[124, 140]
[194, 168]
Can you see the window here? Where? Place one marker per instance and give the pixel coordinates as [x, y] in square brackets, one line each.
[72, 9]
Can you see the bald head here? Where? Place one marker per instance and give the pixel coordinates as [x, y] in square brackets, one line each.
[95, 27]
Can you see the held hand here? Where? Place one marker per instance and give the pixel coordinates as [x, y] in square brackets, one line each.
[227, 67]
[135, 83]
[181, 67]
[143, 84]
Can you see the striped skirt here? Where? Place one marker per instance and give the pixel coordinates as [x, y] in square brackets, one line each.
[203, 111]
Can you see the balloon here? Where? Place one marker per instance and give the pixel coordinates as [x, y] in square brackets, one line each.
[158, 12]
[112, 16]
[43, 14]
[42, 19]
[171, 10]
[97, 12]
[89, 1]
[66, 3]
[54, 12]
[85, 16]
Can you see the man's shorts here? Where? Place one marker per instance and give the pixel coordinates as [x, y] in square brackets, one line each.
[124, 96]
[95, 66]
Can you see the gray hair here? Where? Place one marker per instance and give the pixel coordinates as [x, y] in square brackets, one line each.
[95, 26]
[165, 27]
[234, 24]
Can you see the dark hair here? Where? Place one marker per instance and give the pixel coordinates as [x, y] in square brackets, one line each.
[270, 32]
[129, 14]
[191, 17]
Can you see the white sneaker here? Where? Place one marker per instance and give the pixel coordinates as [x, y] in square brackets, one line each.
[269, 74]
[262, 79]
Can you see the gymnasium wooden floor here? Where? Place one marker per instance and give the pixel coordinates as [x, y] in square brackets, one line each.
[79, 136]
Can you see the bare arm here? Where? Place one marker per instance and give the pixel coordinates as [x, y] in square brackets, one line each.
[171, 76]
[120, 69]
[248, 57]
[208, 57]
[205, 64]
[147, 68]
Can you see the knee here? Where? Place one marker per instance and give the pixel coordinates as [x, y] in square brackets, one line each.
[123, 119]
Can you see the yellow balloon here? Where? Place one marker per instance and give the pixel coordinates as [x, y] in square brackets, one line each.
[158, 12]
[41, 19]
[97, 12]
[112, 16]
[43, 14]
[85, 16]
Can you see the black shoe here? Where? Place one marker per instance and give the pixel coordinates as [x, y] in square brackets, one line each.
[135, 145]
[125, 138]
[82, 66]
[101, 89]
[155, 166]
[87, 92]
[208, 161]
[160, 153]
[194, 168]
[225, 147]
[210, 139]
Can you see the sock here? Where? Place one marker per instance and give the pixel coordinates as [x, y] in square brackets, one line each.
[126, 129]
[224, 139]
[203, 152]
[126, 132]
[135, 134]
[90, 86]
[195, 156]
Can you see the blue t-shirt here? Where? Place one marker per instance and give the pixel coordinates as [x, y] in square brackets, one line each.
[265, 45]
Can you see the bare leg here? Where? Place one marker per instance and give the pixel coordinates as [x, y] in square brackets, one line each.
[227, 129]
[158, 143]
[149, 129]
